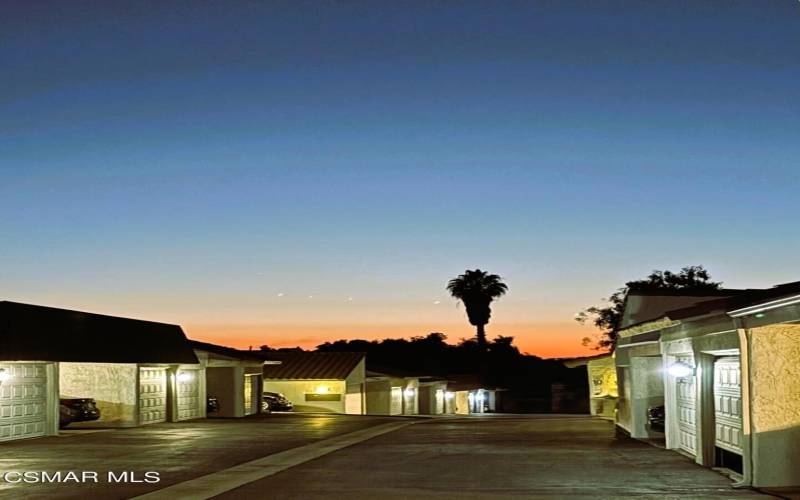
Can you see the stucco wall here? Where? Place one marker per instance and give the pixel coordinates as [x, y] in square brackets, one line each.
[428, 398]
[112, 385]
[775, 404]
[623, 403]
[378, 397]
[462, 402]
[296, 390]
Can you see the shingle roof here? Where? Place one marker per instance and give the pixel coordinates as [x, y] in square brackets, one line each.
[750, 297]
[643, 306]
[38, 333]
[313, 365]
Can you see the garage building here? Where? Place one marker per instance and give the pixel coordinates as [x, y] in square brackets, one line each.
[138, 371]
[332, 382]
[234, 377]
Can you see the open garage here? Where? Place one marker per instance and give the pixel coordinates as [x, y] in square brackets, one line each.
[137, 372]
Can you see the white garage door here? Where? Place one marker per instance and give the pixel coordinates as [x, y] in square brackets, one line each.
[152, 395]
[728, 404]
[687, 410]
[188, 394]
[23, 401]
[397, 401]
[250, 397]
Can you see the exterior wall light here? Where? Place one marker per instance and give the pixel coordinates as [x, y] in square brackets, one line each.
[4, 375]
[409, 393]
[449, 395]
[471, 397]
[322, 389]
[679, 369]
[184, 376]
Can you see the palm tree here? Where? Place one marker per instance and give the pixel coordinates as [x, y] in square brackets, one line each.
[477, 289]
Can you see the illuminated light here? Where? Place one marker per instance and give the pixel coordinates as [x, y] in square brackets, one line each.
[185, 377]
[449, 395]
[471, 397]
[4, 375]
[680, 369]
[760, 315]
[323, 389]
[409, 393]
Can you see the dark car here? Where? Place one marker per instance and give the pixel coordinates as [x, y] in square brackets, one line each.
[273, 401]
[655, 418]
[212, 404]
[65, 415]
[77, 410]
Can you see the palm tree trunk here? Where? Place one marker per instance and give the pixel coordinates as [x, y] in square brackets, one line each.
[480, 335]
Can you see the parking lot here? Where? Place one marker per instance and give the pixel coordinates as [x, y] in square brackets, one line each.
[177, 451]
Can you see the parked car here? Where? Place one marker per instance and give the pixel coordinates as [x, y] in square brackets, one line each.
[212, 404]
[65, 415]
[655, 418]
[77, 410]
[273, 401]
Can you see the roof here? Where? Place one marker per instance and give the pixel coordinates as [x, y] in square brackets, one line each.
[38, 333]
[228, 352]
[313, 365]
[642, 306]
[748, 298]
[583, 360]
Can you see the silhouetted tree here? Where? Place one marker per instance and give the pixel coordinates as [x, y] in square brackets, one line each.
[689, 279]
[477, 289]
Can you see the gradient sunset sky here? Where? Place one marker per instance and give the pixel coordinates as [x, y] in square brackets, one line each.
[287, 173]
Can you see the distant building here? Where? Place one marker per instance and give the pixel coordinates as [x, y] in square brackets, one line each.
[601, 373]
[332, 382]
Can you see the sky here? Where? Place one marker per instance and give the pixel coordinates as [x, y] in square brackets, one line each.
[289, 173]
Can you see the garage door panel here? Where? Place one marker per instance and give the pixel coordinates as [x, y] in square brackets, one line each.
[23, 401]
[396, 407]
[152, 395]
[687, 410]
[728, 404]
[189, 395]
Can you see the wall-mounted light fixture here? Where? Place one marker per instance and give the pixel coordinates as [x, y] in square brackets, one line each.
[449, 395]
[679, 369]
[322, 389]
[184, 377]
[409, 393]
[4, 375]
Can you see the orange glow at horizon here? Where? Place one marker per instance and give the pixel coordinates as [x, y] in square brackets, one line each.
[546, 340]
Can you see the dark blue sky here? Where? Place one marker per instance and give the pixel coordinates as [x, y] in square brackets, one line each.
[188, 161]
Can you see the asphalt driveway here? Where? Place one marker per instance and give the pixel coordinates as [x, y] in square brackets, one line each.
[497, 457]
[177, 451]
[322, 457]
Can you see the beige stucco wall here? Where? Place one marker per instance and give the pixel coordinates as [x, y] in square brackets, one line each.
[603, 390]
[462, 402]
[378, 397]
[775, 404]
[296, 390]
[112, 385]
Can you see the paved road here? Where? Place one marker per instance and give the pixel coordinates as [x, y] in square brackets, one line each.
[332, 457]
[496, 457]
[178, 451]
